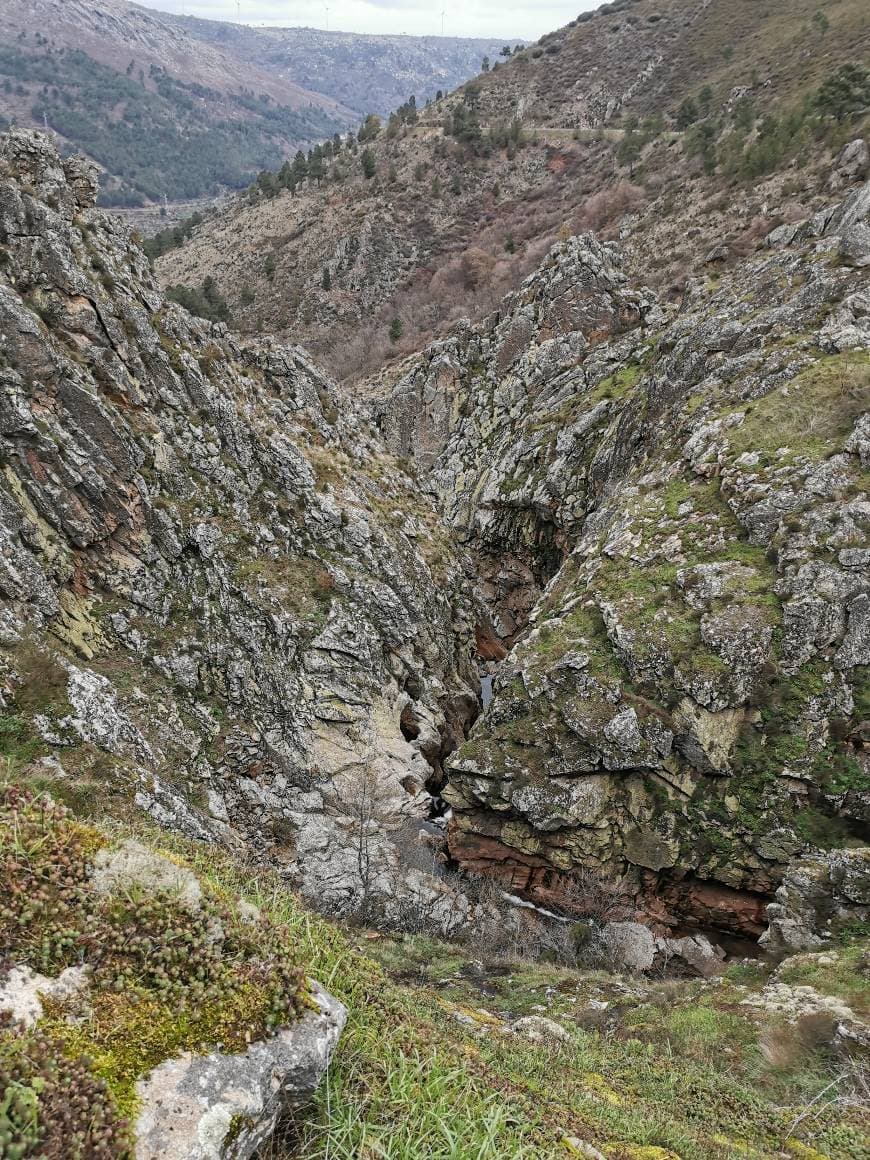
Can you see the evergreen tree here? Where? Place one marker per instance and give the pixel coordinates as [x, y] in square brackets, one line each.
[369, 164]
[315, 164]
[687, 114]
[300, 167]
[370, 128]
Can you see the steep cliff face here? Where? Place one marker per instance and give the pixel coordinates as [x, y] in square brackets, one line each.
[220, 595]
[686, 708]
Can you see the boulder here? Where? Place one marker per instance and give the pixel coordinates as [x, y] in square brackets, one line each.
[695, 954]
[855, 245]
[630, 945]
[537, 1029]
[201, 1107]
[852, 164]
[817, 895]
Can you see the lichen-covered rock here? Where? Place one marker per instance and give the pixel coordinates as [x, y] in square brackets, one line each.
[816, 898]
[220, 1105]
[795, 1002]
[23, 990]
[538, 1029]
[219, 595]
[670, 513]
[183, 1014]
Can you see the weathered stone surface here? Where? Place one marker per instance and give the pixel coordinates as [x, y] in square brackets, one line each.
[133, 867]
[852, 164]
[203, 1107]
[538, 1029]
[676, 560]
[239, 592]
[695, 953]
[795, 1002]
[22, 991]
[631, 945]
[817, 895]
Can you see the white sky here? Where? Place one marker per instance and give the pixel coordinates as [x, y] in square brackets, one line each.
[486, 18]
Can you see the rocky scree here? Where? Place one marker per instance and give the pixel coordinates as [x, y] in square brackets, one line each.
[670, 506]
[220, 595]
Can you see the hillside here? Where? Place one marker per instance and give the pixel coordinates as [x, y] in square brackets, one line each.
[543, 672]
[181, 108]
[165, 115]
[601, 125]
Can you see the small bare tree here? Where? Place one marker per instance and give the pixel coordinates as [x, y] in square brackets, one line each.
[364, 801]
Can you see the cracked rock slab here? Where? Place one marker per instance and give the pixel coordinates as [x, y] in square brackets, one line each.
[223, 1107]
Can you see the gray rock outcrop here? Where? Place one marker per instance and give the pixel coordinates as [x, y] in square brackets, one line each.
[817, 897]
[669, 510]
[208, 1107]
[215, 584]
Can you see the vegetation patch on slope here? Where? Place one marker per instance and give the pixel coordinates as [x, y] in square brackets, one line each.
[171, 968]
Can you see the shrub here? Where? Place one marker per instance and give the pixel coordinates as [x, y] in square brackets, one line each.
[205, 302]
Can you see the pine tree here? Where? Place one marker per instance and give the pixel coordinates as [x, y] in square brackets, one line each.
[369, 164]
[300, 167]
[687, 114]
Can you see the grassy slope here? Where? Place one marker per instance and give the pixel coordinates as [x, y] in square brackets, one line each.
[666, 1069]
[676, 1070]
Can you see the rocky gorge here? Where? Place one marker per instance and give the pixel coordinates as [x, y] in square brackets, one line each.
[669, 508]
[660, 510]
[257, 611]
[217, 583]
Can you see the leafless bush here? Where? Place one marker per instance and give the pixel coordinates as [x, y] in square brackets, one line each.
[848, 1090]
[609, 205]
[589, 896]
[505, 930]
[748, 241]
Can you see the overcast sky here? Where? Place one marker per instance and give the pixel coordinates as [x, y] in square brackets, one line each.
[490, 18]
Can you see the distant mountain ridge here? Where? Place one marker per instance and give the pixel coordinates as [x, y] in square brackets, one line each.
[367, 73]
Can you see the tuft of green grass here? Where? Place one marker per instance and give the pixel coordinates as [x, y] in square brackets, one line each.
[813, 416]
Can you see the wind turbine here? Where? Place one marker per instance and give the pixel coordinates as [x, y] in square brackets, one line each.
[326, 9]
[443, 14]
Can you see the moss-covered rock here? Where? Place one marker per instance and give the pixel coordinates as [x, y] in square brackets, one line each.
[164, 968]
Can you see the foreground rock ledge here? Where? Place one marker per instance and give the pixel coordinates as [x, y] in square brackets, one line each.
[217, 1107]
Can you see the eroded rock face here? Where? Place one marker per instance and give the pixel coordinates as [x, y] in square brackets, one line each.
[683, 706]
[817, 896]
[241, 592]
